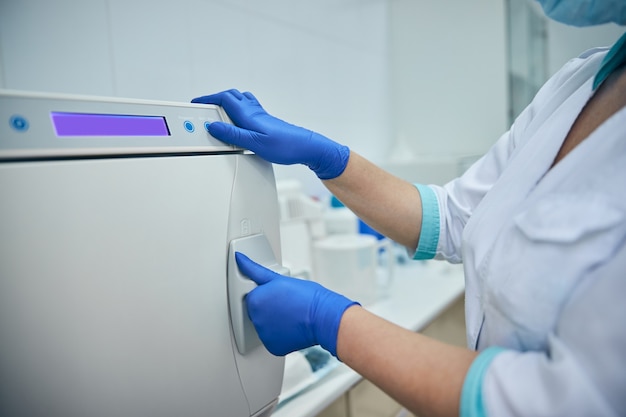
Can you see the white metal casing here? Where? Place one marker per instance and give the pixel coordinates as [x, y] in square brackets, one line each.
[113, 260]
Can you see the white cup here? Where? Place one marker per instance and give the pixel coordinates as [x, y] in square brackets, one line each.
[341, 220]
[348, 264]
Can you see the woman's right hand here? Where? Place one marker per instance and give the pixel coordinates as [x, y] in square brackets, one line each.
[273, 139]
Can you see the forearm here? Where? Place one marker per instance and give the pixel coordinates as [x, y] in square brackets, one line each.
[422, 374]
[387, 203]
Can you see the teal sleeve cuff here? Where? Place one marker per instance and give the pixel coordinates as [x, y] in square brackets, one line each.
[429, 236]
[472, 394]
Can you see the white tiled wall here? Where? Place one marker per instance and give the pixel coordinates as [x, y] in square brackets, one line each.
[320, 64]
[316, 63]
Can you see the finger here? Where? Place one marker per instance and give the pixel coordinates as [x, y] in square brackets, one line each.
[210, 99]
[250, 96]
[231, 134]
[219, 98]
[253, 270]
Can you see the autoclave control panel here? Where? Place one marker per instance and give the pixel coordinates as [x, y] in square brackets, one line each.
[42, 125]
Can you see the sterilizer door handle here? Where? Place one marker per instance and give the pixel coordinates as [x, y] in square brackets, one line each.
[257, 248]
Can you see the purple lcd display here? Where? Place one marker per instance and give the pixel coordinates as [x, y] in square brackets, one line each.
[84, 124]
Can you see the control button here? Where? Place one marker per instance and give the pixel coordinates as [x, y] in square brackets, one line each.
[19, 123]
[189, 127]
[206, 125]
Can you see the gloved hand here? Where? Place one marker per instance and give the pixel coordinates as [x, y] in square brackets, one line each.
[273, 139]
[290, 314]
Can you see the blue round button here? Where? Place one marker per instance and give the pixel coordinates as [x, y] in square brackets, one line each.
[206, 125]
[189, 127]
[19, 123]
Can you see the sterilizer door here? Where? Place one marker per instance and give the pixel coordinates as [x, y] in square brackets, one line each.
[113, 297]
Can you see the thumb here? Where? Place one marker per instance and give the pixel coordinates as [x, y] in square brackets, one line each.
[230, 134]
[257, 273]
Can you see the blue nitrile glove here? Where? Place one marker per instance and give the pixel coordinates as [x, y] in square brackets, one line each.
[290, 314]
[273, 139]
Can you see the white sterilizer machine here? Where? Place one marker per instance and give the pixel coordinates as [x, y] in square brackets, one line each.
[119, 294]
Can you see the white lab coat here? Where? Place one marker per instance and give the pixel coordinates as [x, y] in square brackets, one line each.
[544, 252]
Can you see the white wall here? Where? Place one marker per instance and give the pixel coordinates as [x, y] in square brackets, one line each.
[449, 74]
[320, 64]
[448, 85]
[566, 42]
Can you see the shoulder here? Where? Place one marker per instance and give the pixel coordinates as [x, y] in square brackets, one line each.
[578, 70]
[576, 74]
